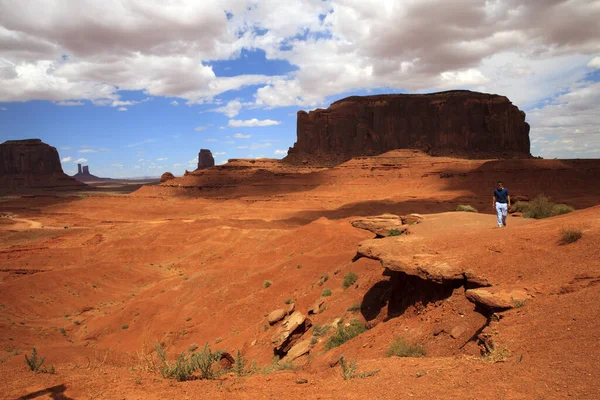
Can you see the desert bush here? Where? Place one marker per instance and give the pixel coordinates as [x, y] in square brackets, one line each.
[466, 208]
[324, 278]
[320, 330]
[239, 365]
[349, 279]
[354, 307]
[345, 333]
[400, 348]
[326, 292]
[570, 235]
[187, 364]
[36, 364]
[277, 365]
[125, 326]
[349, 370]
[560, 209]
[495, 353]
[266, 284]
[395, 232]
[520, 206]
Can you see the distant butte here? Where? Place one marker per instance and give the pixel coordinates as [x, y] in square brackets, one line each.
[457, 123]
[205, 159]
[32, 164]
[83, 174]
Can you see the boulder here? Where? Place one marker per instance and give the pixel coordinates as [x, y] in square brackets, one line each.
[298, 350]
[381, 224]
[316, 306]
[205, 159]
[497, 299]
[167, 176]
[458, 122]
[289, 332]
[276, 316]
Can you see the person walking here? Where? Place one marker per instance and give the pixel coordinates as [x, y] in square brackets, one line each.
[501, 203]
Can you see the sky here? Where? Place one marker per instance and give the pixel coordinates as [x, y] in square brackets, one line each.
[137, 87]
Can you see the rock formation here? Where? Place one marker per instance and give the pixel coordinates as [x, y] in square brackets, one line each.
[459, 122]
[31, 163]
[83, 174]
[205, 159]
[167, 176]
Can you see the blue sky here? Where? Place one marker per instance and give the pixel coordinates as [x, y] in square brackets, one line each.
[142, 92]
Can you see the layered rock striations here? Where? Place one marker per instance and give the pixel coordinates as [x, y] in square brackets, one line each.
[205, 159]
[462, 123]
[33, 164]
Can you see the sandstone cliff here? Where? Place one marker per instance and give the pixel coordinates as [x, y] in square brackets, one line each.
[205, 159]
[32, 164]
[460, 122]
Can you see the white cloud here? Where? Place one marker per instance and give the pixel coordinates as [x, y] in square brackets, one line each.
[202, 128]
[68, 103]
[3, 109]
[162, 159]
[122, 109]
[174, 103]
[241, 136]
[242, 147]
[66, 159]
[80, 160]
[595, 63]
[281, 152]
[87, 149]
[252, 122]
[65, 148]
[220, 153]
[231, 109]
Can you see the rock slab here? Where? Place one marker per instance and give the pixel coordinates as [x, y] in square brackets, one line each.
[461, 122]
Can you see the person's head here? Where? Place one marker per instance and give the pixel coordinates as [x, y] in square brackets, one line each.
[500, 184]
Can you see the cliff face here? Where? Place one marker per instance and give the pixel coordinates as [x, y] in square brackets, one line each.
[458, 122]
[32, 164]
[30, 156]
[205, 159]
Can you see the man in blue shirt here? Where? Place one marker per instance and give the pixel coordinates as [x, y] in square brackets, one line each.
[501, 201]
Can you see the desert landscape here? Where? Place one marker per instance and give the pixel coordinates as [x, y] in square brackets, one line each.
[320, 199]
[288, 266]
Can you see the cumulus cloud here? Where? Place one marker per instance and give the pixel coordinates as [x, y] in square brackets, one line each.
[66, 160]
[594, 63]
[234, 123]
[202, 128]
[231, 109]
[122, 109]
[80, 160]
[220, 153]
[174, 103]
[280, 152]
[242, 136]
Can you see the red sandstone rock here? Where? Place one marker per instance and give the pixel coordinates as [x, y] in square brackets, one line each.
[460, 122]
[205, 159]
[167, 176]
[32, 164]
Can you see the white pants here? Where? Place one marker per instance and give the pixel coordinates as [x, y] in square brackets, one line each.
[501, 212]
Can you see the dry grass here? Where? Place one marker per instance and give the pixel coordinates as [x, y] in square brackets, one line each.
[466, 208]
[570, 235]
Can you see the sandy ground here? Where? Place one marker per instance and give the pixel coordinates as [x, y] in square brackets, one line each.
[93, 282]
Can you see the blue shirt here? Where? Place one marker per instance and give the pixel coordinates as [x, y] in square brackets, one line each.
[501, 195]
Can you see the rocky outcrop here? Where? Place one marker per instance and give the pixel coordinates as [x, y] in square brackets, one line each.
[387, 224]
[459, 122]
[290, 332]
[205, 159]
[167, 176]
[83, 174]
[497, 299]
[33, 164]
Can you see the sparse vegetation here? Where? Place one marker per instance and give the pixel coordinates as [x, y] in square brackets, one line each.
[400, 348]
[349, 370]
[277, 365]
[36, 364]
[326, 293]
[518, 303]
[192, 347]
[266, 284]
[542, 207]
[495, 353]
[320, 330]
[354, 307]
[239, 365]
[187, 364]
[345, 333]
[324, 278]
[395, 232]
[466, 208]
[570, 235]
[350, 279]
[125, 326]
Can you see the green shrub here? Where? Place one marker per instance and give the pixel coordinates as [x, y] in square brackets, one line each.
[345, 333]
[521, 206]
[349, 279]
[400, 348]
[266, 284]
[354, 307]
[320, 330]
[326, 292]
[125, 327]
[395, 232]
[466, 208]
[277, 365]
[560, 209]
[570, 235]
[349, 370]
[239, 365]
[187, 364]
[36, 364]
